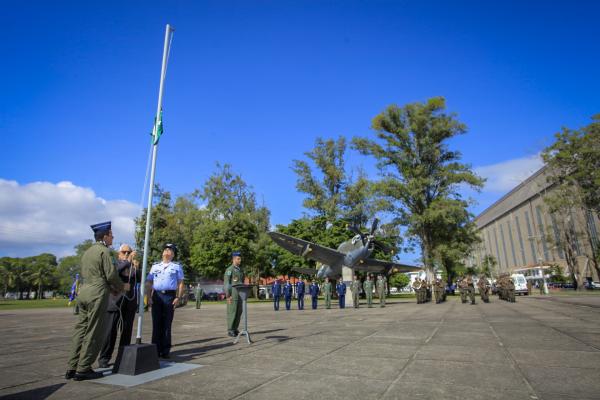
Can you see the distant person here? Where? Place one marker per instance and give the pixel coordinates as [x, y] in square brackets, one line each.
[529, 287]
[313, 290]
[327, 293]
[165, 283]
[74, 293]
[234, 275]
[300, 292]
[355, 289]
[484, 288]
[288, 291]
[122, 309]
[199, 294]
[381, 290]
[368, 288]
[542, 287]
[100, 278]
[471, 288]
[340, 289]
[416, 285]
[276, 289]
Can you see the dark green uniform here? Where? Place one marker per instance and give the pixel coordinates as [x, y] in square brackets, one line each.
[381, 291]
[327, 294]
[199, 294]
[233, 276]
[99, 277]
[368, 288]
[355, 289]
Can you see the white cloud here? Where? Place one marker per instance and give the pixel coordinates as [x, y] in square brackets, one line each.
[46, 217]
[504, 176]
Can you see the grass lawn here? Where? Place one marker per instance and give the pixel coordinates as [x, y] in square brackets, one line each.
[23, 304]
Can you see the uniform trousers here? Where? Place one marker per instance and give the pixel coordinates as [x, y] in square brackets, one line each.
[276, 303]
[162, 319]
[128, 308]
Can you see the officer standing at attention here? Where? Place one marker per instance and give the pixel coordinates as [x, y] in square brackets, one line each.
[100, 278]
[165, 283]
[313, 289]
[416, 285]
[381, 290]
[199, 295]
[276, 289]
[233, 276]
[355, 289]
[287, 294]
[368, 288]
[340, 288]
[327, 293]
[300, 291]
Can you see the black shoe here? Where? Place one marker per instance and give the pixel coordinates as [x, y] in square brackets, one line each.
[70, 374]
[102, 364]
[231, 333]
[236, 332]
[84, 376]
[166, 356]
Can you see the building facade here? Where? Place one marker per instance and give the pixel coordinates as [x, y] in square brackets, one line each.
[519, 232]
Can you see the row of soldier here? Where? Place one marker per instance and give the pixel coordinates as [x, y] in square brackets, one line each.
[424, 289]
[287, 290]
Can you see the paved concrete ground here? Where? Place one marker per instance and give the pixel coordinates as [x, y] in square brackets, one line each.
[538, 348]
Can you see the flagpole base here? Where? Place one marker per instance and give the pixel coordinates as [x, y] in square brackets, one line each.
[136, 359]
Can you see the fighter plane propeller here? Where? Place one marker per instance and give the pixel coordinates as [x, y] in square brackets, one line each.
[354, 253]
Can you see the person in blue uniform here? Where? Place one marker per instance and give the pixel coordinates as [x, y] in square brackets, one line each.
[313, 289]
[165, 283]
[287, 294]
[276, 289]
[300, 291]
[340, 288]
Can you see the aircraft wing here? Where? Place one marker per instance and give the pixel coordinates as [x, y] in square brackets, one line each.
[305, 271]
[380, 266]
[303, 248]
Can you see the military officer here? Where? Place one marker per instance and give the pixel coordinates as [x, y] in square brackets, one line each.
[416, 285]
[368, 288]
[437, 292]
[288, 291]
[462, 286]
[483, 285]
[276, 289]
[471, 289]
[313, 290]
[300, 292]
[199, 294]
[165, 284]
[381, 290]
[234, 275]
[510, 286]
[340, 289]
[100, 278]
[327, 293]
[355, 289]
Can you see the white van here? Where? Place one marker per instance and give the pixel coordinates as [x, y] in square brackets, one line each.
[520, 283]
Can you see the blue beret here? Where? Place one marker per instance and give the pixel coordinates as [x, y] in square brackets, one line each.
[236, 254]
[101, 227]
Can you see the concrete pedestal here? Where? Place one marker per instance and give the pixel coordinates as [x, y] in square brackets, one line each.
[347, 277]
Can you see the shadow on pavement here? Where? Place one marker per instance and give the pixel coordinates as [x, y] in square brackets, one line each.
[38, 393]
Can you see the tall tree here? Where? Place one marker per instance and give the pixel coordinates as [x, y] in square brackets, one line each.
[419, 173]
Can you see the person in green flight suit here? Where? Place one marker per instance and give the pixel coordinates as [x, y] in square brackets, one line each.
[234, 275]
[368, 288]
[100, 278]
[381, 290]
[199, 293]
[327, 293]
[355, 289]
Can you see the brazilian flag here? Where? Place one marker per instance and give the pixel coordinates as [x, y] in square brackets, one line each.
[158, 129]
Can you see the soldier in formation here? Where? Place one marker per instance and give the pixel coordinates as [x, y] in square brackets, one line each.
[483, 285]
[313, 290]
[355, 289]
[506, 288]
[276, 289]
[439, 290]
[288, 291]
[368, 288]
[381, 290]
[462, 287]
[327, 293]
[340, 289]
[416, 285]
[300, 291]
[471, 289]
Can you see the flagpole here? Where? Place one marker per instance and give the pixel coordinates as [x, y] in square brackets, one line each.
[168, 35]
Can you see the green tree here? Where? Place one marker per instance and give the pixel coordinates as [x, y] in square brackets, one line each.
[488, 265]
[43, 273]
[420, 176]
[399, 280]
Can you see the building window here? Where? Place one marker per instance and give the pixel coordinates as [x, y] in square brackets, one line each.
[512, 244]
[531, 237]
[521, 240]
[503, 244]
[538, 211]
[561, 253]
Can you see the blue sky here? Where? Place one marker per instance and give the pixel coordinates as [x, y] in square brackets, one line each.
[254, 83]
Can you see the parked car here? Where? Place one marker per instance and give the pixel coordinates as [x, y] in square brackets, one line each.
[592, 285]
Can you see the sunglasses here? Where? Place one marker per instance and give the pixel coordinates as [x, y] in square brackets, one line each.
[125, 252]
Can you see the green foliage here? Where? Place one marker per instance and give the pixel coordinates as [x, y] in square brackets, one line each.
[488, 265]
[420, 177]
[399, 281]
